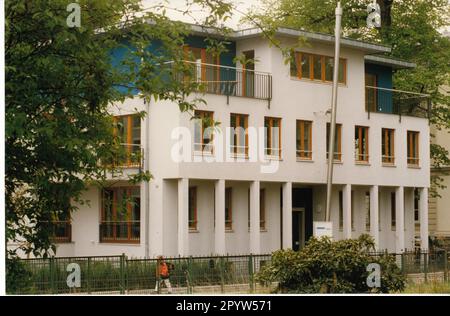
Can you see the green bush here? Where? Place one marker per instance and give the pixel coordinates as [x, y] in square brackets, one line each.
[18, 277]
[326, 266]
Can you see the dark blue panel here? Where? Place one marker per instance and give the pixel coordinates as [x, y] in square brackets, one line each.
[384, 80]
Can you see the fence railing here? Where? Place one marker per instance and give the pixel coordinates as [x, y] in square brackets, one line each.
[214, 274]
[119, 274]
[228, 81]
[382, 100]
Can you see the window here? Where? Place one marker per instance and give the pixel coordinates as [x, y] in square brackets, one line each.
[316, 67]
[352, 210]
[371, 92]
[361, 144]
[387, 146]
[239, 136]
[341, 210]
[272, 136]
[262, 209]
[367, 207]
[337, 141]
[203, 132]
[228, 209]
[416, 206]
[120, 218]
[393, 211]
[205, 67]
[304, 140]
[60, 225]
[193, 208]
[128, 132]
[413, 148]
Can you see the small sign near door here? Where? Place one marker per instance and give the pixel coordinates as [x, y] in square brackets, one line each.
[323, 229]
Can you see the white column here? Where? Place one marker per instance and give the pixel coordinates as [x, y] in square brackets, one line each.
[255, 243]
[287, 215]
[423, 213]
[183, 217]
[399, 219]
[347, 204]
[219, 230]
[374, 214]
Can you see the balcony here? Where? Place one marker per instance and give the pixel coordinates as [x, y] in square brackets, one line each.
[398, 102]
[228, 81]
[127, 156]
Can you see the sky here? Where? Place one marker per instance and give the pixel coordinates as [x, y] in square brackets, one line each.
[175, 6]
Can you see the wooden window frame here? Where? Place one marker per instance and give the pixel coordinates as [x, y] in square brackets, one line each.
[368, 210]
[262, 209]
[269, 150]
[303, 154]
[388, 146]
[192, 223]
[204, 66]
[352, 210]
[363, 155]
[114, 238]
[393, 201]
[201, 115]
[338, 135]
[129, 163]
[341, 210]
[298, 57]
[372, 107]
[413, 158]
[229, 198]
[235, 148]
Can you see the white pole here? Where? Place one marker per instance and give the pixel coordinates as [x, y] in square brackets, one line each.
[337, 35]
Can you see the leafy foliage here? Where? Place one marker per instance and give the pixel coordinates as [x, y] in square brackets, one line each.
[60, 82]
[324, 266]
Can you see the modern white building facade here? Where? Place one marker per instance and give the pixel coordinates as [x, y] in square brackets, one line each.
[261, 189]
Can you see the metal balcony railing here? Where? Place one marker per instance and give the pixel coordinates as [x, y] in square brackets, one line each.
[402, 103]
[228, 81]
[128, 156]
[120, 231]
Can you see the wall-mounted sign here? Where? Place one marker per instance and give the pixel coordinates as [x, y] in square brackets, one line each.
[321, 229]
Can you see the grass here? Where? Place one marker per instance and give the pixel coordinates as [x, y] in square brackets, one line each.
[428, 288]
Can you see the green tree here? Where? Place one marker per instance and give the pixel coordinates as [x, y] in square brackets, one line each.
[59, 83]
[411, 27]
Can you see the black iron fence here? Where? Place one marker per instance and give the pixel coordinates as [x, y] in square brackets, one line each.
[402, 103]
[215, 274]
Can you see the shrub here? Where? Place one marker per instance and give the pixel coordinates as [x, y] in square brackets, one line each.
[326, 266]
[18, 277]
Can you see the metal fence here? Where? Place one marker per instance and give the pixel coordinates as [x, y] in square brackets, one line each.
[121, 275]
[189, 275]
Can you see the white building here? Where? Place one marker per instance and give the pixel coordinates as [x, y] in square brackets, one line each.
[264, 204]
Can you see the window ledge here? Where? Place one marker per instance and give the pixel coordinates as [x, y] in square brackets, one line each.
[203, 154]
[273, 158]
[194, 231]
[229, 230]
[413, 166]
[239, 156]
[304, 160]
[329, 83]
[362, 163]
[120, 243]
[388, 165]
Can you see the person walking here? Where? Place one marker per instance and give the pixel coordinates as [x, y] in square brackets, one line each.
[163, 275]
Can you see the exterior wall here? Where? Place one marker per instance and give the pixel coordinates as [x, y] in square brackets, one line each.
[292, 99]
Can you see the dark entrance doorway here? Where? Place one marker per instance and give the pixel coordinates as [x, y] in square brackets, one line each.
[302, 216]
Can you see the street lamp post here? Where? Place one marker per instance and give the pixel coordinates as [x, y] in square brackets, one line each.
[337, 35]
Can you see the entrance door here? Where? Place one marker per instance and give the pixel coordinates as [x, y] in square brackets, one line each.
[298, 228]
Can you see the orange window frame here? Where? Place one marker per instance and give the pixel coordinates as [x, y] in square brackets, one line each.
[129, 135]
[238, 118]
[363, 154]
[338, 150]
[228, 201]
[262, 209]
[203, 56]
[301, 126]
[193, 199]
[413, 148]
[129, 222]
[200, 114]
[269, 140]
[298, 62]
[388, 145]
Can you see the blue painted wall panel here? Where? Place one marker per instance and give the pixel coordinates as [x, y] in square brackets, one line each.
[384, 80]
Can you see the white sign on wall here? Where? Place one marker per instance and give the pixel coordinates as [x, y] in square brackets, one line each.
[321, 229]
